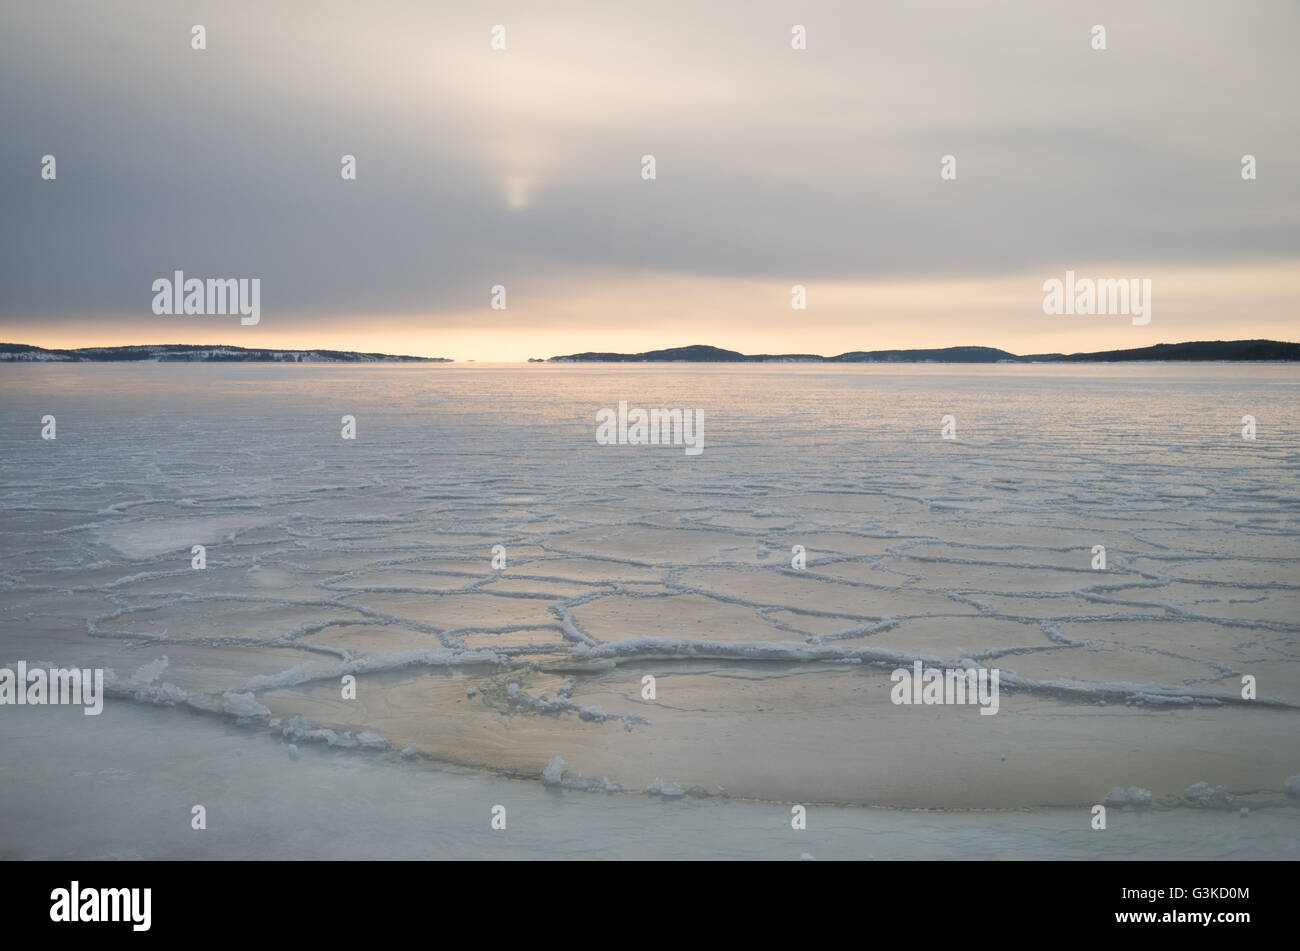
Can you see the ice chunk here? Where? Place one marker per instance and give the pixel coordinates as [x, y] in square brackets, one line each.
[243, 705]
[1210, 797]
[553, 772]
[1132, 796]
[149, 672]
[667, 790]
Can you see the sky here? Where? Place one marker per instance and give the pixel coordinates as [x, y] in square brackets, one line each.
[774, 167]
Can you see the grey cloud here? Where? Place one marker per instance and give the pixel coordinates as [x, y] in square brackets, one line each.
[821, 167]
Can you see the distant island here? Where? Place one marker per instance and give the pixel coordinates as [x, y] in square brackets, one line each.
[191, 353]
[1199, 350]
[1227, 350]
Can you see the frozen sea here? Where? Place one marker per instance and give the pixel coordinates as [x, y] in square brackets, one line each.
[372, 558]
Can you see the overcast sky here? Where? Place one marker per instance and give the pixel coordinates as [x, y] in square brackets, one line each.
[522, 167]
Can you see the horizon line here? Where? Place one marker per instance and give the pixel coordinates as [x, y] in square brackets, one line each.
[758, 357]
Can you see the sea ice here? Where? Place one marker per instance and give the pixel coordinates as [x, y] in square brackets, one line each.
[243, 705]
[1210, 797]
[553, 772]
[667, 790]
[1132, 796]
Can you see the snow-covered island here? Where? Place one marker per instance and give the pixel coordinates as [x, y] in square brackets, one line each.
[194, 353]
